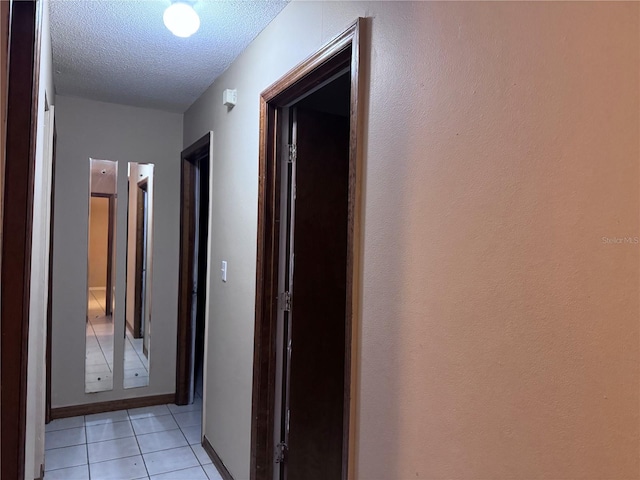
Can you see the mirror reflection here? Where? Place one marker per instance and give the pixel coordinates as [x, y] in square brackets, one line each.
[100, 276]
[138, 325]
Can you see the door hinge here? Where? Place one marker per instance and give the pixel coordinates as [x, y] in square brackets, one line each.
[293, 153]
[286, 301]
[281, 451]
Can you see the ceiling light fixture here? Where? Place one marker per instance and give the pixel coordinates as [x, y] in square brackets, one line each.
[181, 19]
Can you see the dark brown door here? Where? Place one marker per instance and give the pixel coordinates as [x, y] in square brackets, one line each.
[141, 256]
[312, 419]
[108, 302]
[17, 227]
[340, 57]
[192, 285]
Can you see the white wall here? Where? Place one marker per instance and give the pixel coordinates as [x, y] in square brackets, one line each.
[36, 367]
[126, 134]
[498, 331]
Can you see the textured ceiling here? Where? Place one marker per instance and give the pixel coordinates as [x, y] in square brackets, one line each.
[121, 52]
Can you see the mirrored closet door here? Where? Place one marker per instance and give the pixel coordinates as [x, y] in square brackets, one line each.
[139, 324]
[101, 275]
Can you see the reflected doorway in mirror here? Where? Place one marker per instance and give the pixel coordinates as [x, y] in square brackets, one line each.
[100, 275]
[138, 325]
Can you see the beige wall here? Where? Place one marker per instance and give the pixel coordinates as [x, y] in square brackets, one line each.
[498, 335]
[90, 129]
[98, 241]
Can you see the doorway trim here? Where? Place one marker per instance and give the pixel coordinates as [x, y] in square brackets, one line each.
[17, 227]
[139, 297]
[52, 149]
[185, 353]
[343, 50]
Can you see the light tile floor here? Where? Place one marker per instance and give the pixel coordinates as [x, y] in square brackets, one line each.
[99, 350]
[156, 443]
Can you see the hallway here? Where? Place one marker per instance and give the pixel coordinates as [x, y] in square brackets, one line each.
[159, 442]
[491, 309]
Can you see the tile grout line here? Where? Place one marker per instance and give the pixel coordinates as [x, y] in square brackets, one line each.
[135, 434]
[187, 440]
[87, 445]
[163, 450]
[145, 368]
[103, 307]
[138, 355]
[84, 424]
[98, 341]
[95, 335]
[100, 344]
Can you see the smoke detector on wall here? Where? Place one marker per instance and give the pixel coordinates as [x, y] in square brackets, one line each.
[230, 98]
[181, 19]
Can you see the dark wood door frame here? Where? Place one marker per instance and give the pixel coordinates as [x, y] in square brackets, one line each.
[108, 298]
[17, 226]
[192, 158]
[47, 414]
[141, 252]
[343, 50]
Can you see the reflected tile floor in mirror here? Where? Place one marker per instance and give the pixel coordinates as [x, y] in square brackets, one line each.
[136, 364]
[99, 350]
[160, 442]
[99, 356]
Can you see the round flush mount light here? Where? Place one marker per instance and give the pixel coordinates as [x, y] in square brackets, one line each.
[181, 19]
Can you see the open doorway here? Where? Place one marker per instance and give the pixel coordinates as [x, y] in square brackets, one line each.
[101, 244]
[310, 358]
[305, 274]
[192, 283]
